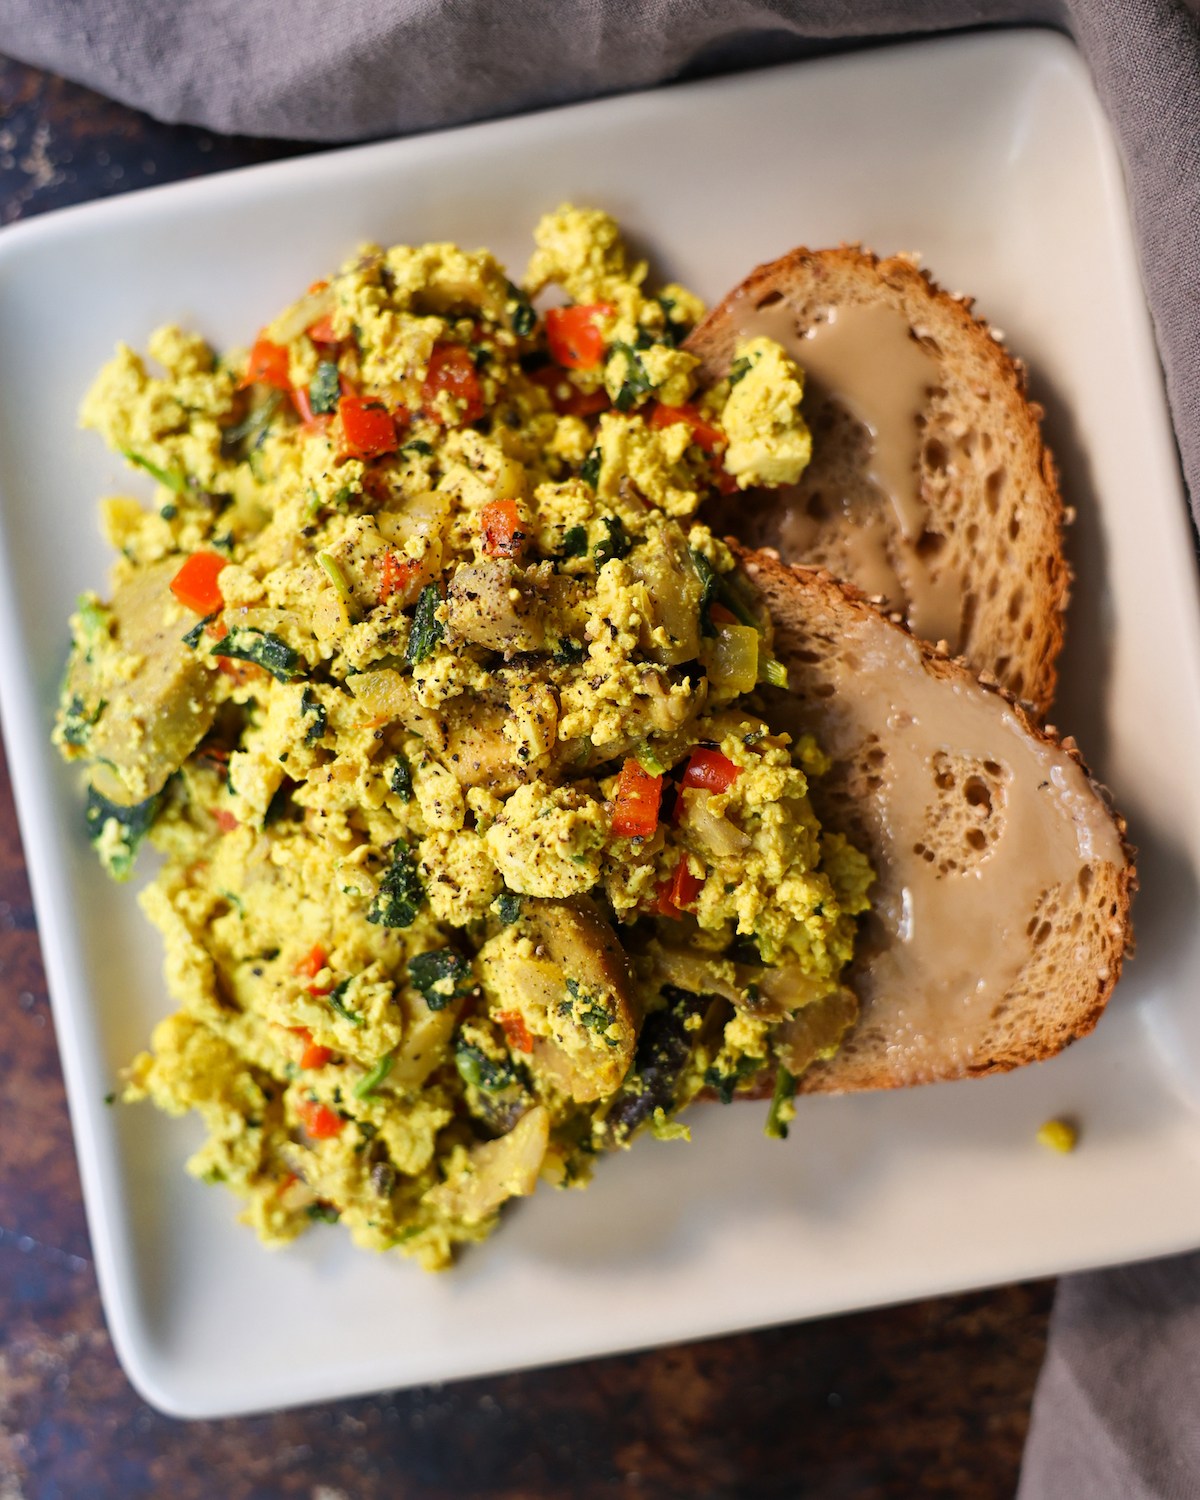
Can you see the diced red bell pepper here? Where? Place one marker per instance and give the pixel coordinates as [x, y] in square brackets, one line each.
[724, 481]
[313, 962]
[319, 1120]
[226, 821]
[568, 399]
[195, 585]
[321, 332]
[704, 434]
[452, 369]
[574, 339]
[500, 522]
[312, 965]
[678, 892]
[515, 1030]
[367, 428]
[711, 770]
[635, 809]
[268, 366]
[719, 615]
[396, 574]
[242, 672]
[313, 1056]
[310, 420]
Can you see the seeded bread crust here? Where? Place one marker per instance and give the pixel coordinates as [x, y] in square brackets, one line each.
[987, 478]
[1078, 936]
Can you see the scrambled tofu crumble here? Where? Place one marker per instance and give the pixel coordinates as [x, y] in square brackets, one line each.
[480, 854]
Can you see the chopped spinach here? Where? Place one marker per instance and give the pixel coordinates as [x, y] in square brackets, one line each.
[670, 337]
[477, 1068]
[733, 601]
[324, 389]
[615, 544]
[337, 1001]
[427, 630]
[278, 804]
[311, 704]
[192, 638]
[134, 824]
[588, 1008]
[400, 780]
[257, 418]
[77, 722]
[739, 370]
[400, 892]
[263, 649]
[568, 652]
[172, 478]
[726, 1083]
[418, 445]
[637, 380]
[441, 975]
[507, 907]
[323, 1213]
[522, 318]
[574, 542]
[95, 618]
[590, 469]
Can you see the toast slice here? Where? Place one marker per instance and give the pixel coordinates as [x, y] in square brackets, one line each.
[1000, 916]
[973, 554]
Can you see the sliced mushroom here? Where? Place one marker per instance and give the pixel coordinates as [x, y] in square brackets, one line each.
[497, 1170]
[150, 696]
[664, 564]
[561, 967]
[815, 1030]
[492, 604]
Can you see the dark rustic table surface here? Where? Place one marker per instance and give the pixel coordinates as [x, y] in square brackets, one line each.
[927, 1399]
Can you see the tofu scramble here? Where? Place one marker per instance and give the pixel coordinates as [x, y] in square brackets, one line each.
[479, 856]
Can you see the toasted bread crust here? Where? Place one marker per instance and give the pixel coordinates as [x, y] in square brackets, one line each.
[987, 477]
[1051, 1002]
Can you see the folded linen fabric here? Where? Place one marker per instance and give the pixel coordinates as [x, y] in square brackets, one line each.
[1117, 1410]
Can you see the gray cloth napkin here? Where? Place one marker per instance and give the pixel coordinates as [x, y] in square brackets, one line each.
[1117, 1409]
[1117, 1412]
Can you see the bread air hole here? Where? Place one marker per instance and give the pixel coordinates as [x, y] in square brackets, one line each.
[967, 819]
[936, 456]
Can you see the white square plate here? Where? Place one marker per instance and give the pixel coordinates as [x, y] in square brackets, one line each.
[990, 155]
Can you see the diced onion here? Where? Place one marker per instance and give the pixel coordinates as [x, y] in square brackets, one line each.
[732, 663]
[382, 693]
[301, 315]
[713, 828]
